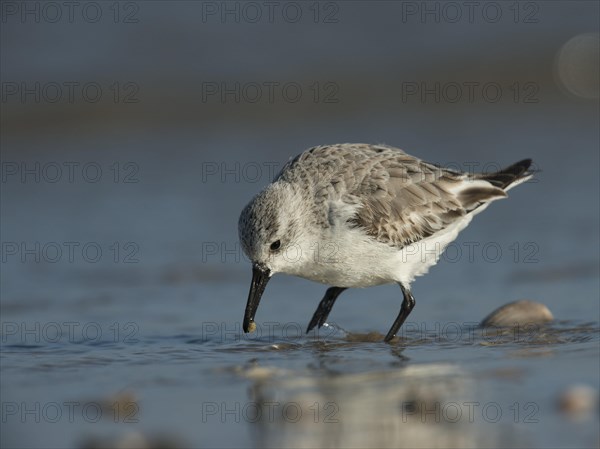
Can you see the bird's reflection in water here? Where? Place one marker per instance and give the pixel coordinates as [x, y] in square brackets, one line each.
[414, 406]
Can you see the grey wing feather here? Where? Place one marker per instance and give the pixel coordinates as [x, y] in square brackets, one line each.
[404, 200]
[400, 198]
[408, 205]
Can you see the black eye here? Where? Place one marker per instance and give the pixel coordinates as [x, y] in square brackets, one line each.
[275, 245]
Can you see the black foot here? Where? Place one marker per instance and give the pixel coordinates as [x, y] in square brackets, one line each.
[325, 306]
[407, 305]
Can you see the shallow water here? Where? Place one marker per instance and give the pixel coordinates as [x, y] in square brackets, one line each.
[215, 387]
[134, 338]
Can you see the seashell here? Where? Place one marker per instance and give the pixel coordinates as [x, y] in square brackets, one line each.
[518, 313]
[578, 399]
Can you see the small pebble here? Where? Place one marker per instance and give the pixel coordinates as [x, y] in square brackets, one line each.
[578, 399]
[252, 326]
[518, 313]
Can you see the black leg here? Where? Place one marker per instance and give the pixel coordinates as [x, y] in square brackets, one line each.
[325, 307]
[407, 305]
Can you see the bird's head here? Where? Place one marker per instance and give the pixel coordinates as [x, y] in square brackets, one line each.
[271, 233]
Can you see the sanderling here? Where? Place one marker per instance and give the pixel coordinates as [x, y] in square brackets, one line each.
[359, 215]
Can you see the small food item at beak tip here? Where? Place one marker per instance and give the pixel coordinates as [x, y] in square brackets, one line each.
[252, 326]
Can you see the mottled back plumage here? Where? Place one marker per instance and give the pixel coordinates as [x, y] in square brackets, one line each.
[400, 198]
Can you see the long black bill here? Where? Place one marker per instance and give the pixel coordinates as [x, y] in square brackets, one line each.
[260, 278]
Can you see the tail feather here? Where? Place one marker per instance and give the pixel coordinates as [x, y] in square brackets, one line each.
[510, 176]
[484, 188]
